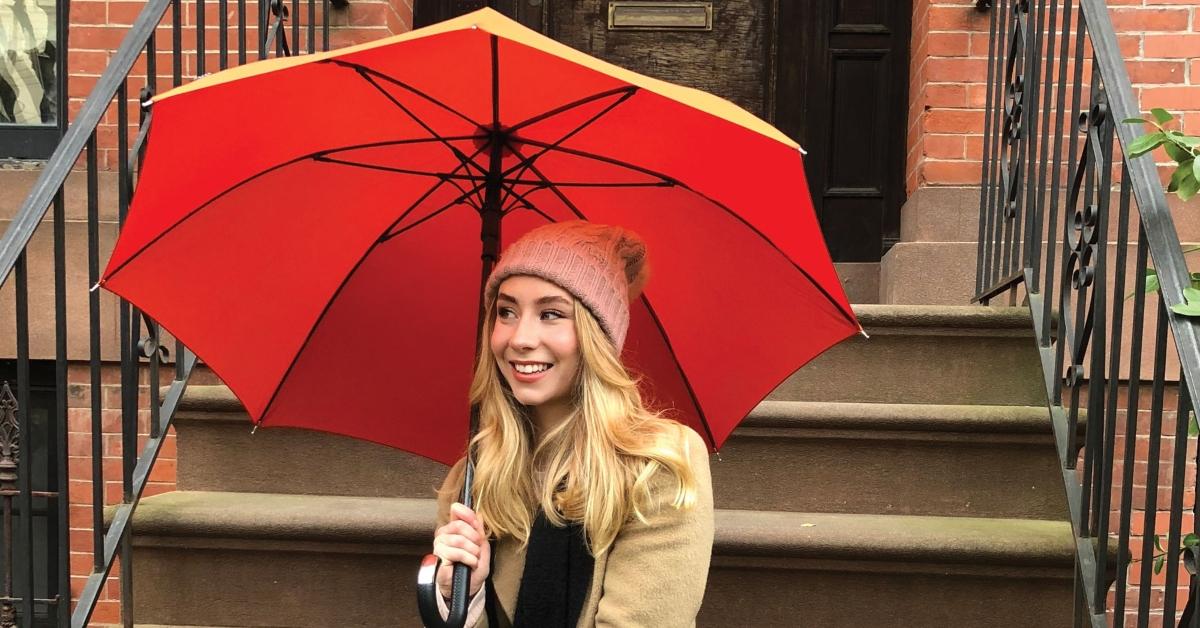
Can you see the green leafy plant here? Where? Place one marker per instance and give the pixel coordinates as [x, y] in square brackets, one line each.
[1160, 555]
[1183, 149]
[1185, 183]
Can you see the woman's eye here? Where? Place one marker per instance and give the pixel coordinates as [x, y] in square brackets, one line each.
[554, 313]
[503, 312]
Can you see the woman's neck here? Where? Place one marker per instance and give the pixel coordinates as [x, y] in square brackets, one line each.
[548, 416]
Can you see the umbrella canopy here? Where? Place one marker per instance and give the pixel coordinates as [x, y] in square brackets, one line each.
[311, 227]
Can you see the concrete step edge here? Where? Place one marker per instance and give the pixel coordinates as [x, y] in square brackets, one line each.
[874, 538]
[218, 404]
[969, 319]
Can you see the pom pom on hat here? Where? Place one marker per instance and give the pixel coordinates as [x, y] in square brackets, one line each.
[601, 265]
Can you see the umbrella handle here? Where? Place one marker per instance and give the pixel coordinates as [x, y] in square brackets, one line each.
[427, 591]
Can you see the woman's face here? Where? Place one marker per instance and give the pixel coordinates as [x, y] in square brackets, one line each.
[534, 343]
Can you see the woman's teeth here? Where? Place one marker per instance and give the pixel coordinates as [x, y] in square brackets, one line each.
[529, 369]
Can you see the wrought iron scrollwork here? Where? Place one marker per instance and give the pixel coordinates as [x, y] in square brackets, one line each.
[1013, 133]
[10, 457]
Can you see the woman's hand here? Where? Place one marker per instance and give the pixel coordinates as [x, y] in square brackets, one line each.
[462, 540]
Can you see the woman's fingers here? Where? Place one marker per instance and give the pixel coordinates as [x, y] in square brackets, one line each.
[464, 529]
[457, 541]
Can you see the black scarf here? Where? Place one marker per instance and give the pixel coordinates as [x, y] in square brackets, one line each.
[557, 576]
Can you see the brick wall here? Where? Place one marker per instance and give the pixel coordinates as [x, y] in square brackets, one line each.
[99, 26]
[1159, 38]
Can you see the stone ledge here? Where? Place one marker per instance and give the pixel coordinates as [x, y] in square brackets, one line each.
[970, 319]
[871, 538]
[971, 419]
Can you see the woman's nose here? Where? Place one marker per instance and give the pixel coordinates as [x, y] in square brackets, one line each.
[525, 335]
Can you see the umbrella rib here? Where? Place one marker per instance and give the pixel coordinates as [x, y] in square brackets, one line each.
[675, 182]
[421, 173]
[345, 281]
[458, 154]
[547, 147]
[462, 197]
[594, 184]
[249, 179]
[628, 90]
[362, 68]
[712, 442]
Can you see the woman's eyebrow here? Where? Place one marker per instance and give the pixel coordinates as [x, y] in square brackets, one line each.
[542, 301]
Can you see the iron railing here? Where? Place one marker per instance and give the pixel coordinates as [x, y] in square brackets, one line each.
[138, 337]
[1071, 224]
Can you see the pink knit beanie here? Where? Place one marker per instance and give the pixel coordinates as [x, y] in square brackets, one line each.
[603, 266]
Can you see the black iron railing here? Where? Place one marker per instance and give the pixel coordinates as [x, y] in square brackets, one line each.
[1071, 225]
[142, 349]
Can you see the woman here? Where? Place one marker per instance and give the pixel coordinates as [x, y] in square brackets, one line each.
[591, 510]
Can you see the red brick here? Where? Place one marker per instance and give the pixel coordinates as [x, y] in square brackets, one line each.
[948, 44]
[1179, 46]
[1155, 71]
[957, 18]
[954, 121]
[88, 12]
[946, 70]
[1149, 20]
[1172, 98]
[944, 146]
[945, 95]
[952, 172]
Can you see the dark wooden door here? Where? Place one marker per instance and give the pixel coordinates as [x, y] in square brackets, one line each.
[842, 92]
[832, 74]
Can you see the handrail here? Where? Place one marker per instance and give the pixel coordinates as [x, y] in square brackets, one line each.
[1081, 351]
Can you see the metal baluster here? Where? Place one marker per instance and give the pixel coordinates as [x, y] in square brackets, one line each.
[1179, 468]
[1104, 495]
[312, 26]
[129, 375]
[1056, 173]
[1152, 462]
[1131, 420]
[97, 429]
[177, 42]
[1039, 191]
[985, 213]
[241, 33]
[23, 537]
[200, 51]
[223, 36]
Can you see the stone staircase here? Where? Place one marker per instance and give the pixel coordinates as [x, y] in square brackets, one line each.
[906, 480]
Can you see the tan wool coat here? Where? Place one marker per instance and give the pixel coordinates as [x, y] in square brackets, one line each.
[654, 574]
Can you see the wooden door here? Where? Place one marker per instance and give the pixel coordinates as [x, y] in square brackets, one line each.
[832, 74]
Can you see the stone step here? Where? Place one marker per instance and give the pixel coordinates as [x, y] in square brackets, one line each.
[928, 354]
[918, 459]
[244, 559]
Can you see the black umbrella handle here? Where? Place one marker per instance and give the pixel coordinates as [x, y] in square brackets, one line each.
[427, 590]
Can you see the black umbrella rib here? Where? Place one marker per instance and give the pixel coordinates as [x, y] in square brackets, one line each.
[849, 316]
[586, 123]
[627, 92]
[592, 184]
[712, 442]
[382, 168]
[373, 72]
[218, 196]
[458, 154]
[462, 197]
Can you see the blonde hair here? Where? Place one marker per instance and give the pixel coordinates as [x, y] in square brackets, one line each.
[595, 467]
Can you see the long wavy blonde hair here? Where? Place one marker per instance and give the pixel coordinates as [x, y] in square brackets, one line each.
[594, 468]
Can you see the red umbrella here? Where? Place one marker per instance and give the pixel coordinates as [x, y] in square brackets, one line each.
[331, 277]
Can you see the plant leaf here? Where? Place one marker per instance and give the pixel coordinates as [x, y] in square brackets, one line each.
[1151, 280]
[1158, 564]
[1188, 185]
[1158, 542]
[1187, 309]
[1177, 178]
[1196, 169]
[1162, 115]
[1189, 141]
[1192, 295]
[1191, 539]
[1174, 151]
[1193, 430]
[1146, 143]
[1134, 121]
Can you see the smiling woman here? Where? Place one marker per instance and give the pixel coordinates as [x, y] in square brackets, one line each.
[591, 509]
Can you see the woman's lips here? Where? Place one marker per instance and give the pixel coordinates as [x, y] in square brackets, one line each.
[527, 378]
